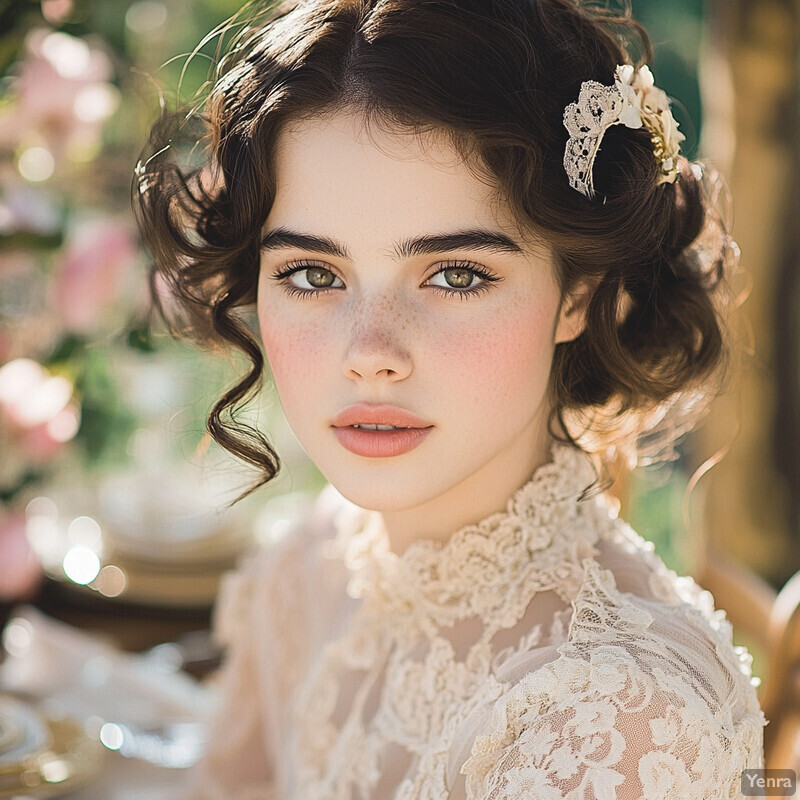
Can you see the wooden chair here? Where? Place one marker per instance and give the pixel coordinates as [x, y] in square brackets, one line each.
[771, 620]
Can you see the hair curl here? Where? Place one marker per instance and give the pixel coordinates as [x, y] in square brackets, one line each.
[496, 76]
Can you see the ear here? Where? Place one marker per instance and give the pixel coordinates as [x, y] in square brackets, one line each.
[572, 314]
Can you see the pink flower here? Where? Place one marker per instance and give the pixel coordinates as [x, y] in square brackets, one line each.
[36, 409]
[20, 570]
[91, 272]
[57, 11]
[63, 94]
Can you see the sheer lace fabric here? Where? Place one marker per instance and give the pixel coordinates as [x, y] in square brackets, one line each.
[545, 653]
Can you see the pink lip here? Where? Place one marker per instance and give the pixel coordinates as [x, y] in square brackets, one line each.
[378, 414]
[379, 444]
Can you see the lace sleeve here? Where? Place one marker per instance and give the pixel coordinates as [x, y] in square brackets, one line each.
[627, 712]
[237, 764]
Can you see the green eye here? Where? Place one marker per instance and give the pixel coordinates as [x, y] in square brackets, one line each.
[308, 279]
[319, 277]
[462, 279]
[459, 278]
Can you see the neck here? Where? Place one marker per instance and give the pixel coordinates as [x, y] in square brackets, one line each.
[483, 493]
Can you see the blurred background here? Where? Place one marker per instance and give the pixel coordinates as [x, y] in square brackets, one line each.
[113, 498]
[109, 487]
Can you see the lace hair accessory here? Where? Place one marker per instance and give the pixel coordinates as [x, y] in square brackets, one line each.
[633, 101]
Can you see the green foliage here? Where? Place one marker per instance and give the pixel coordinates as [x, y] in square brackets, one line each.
[107, 420]
[656, 501]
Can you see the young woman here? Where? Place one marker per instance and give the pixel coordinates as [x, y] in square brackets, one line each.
[482, 271]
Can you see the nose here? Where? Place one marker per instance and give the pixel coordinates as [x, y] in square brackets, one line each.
[375, 348]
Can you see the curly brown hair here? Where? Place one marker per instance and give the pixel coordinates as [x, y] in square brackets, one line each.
[495, 75]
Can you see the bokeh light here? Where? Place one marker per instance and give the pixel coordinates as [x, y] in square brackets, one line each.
[69, 55]
[146, 16]
[85, 531]
[81, 565]
[111, 581]
[112, 736]
[36, 164]
[17, 637]
[96, 102]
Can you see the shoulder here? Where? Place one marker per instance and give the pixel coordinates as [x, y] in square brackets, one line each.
[646, 699]
[628, 574]
[270, 575]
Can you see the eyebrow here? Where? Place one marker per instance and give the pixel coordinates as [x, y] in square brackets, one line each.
[476, 239]
[473, 239]
[282, 238]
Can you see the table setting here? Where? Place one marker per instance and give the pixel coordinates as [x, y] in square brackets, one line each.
[83, 720]
[107, 677]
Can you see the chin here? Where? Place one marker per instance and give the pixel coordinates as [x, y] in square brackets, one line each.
[384, 496]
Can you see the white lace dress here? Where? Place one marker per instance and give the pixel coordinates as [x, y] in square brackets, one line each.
[545, 653]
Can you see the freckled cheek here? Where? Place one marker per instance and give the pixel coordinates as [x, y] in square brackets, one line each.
[503, 365]
[295, 353]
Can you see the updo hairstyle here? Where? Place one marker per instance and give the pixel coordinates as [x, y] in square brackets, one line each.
[495, 76]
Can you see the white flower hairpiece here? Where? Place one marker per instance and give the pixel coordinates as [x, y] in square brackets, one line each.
[633, 101]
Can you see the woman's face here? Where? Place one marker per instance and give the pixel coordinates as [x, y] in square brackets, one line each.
[395, 289]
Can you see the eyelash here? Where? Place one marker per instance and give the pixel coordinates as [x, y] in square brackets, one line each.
[485, 275]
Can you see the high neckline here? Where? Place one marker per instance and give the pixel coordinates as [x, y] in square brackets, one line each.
[536, 541]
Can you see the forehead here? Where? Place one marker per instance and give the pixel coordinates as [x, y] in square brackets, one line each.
[339, 171]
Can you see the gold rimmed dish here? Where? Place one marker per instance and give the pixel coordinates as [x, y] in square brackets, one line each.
[41, 756]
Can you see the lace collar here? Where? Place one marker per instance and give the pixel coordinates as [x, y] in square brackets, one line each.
[481, 570]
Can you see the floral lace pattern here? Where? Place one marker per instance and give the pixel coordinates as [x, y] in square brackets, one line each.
[504, 663]
[598, 107]
[618, 715]
[634, 101]
[535, 545]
